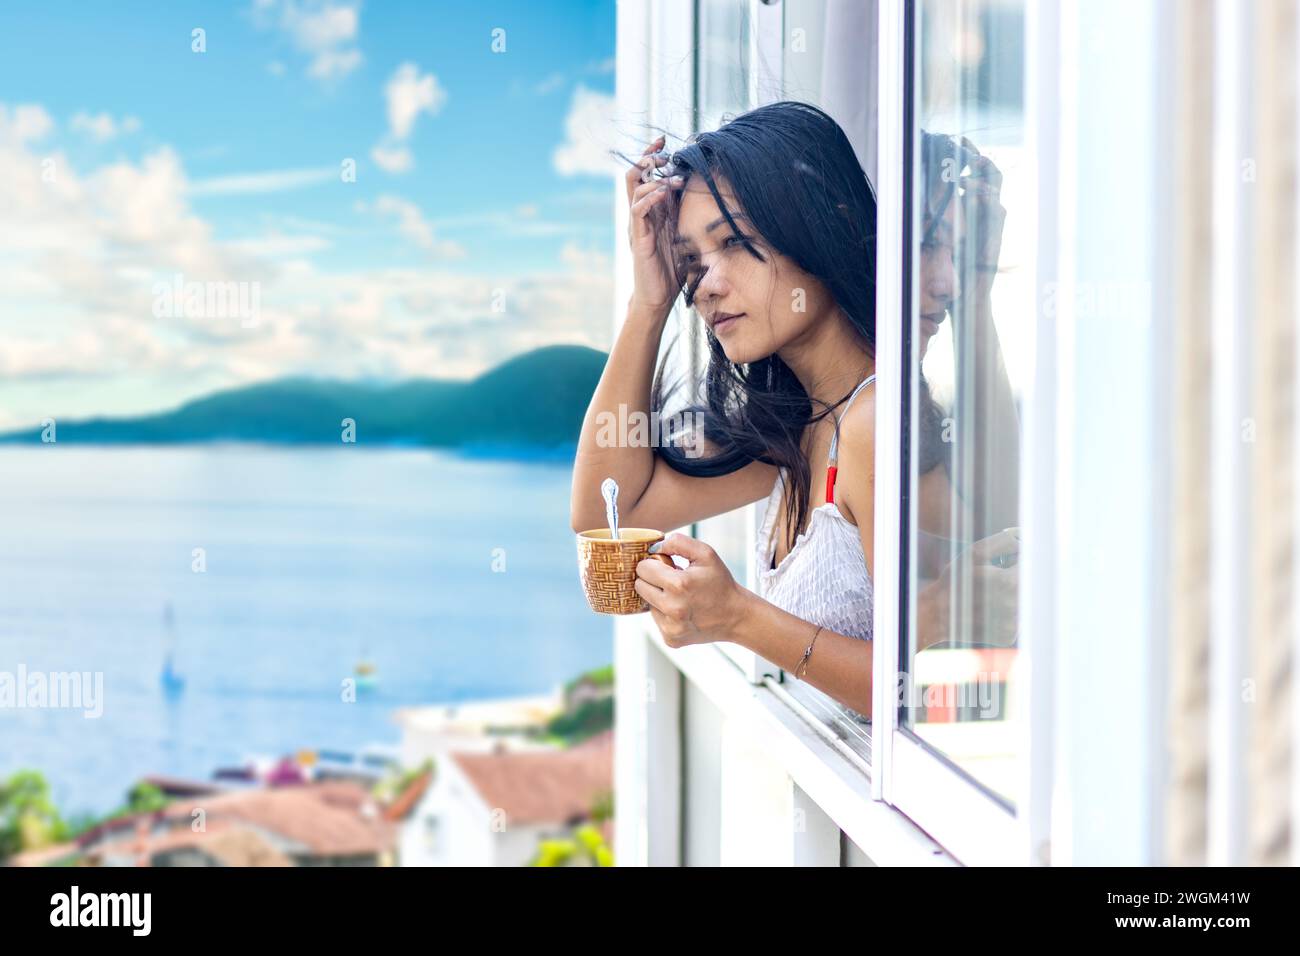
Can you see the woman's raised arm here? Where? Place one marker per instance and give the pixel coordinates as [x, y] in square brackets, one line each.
[651, 494]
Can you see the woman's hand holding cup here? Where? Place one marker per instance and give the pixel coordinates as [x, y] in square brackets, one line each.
[698, 604]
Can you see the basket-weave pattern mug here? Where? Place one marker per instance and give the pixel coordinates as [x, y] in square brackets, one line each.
[607, 567]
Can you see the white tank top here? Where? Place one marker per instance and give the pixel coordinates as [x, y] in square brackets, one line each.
[824, 578]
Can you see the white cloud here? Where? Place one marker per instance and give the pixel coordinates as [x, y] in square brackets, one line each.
[550, 84]
[590, 260]
[408, 94]
[392, 159]
[80, 256]
[589, 131]
[321, 26]
[271, 181]
[518, 223]
[276, 245]
[24, 124]
[328, 65]
[102, 127]
[325, 31]
[558, 79]
[143, 204]
[85, 249]
[412, 224]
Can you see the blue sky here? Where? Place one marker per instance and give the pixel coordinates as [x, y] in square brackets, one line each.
[480, 222]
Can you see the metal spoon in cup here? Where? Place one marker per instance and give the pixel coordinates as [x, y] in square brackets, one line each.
[609, 491]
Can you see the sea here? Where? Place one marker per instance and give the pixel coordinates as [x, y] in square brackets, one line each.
[267, 574]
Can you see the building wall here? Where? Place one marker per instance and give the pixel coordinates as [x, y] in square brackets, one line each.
[1182, 609]
[702, 807]
[463, 836]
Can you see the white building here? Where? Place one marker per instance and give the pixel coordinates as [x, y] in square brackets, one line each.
[1146, 304]
[476, 725]
[493, 808]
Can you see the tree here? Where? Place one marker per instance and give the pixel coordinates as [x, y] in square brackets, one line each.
[584, 847]
[28, 819]
[145, 798]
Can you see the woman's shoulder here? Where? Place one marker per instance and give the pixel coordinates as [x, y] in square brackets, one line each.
[856, 459]
[858, 423]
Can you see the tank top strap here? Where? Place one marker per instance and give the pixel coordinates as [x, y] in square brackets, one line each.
[835, 439]
[833, 457]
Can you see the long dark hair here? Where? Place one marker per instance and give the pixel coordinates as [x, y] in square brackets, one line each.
[797, 178]
[794, 172]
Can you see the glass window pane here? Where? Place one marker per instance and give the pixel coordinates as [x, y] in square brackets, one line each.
[726, 87]
[808, 60]
[723, 68]
[972, 306]
[724, 91]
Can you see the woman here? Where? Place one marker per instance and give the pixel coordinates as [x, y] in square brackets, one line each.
[769, 224]
[985, 419]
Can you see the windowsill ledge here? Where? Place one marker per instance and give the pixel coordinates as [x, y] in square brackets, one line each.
[838, 784]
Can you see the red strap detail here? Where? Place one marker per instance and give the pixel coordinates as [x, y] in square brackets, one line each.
[830, 483]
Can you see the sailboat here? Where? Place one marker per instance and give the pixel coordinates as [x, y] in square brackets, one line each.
[173, 684]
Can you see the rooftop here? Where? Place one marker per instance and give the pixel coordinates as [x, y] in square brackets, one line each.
[333, 818]
[549, 787]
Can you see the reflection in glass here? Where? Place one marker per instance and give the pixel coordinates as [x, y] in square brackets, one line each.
[969, 318]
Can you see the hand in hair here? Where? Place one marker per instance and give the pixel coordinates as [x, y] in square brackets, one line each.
[652, 210]
[984, 214]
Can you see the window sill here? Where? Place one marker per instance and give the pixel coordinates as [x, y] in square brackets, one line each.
[835, 780]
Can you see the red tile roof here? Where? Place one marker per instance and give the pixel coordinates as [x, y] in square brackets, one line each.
[543, 787]
[226, 841]
[328, 818]
[407, 800]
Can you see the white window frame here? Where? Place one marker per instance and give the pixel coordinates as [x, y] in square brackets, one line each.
[967, 819]
[1231, 301]
[652, 36]
[1295, 622]
[1082, 799]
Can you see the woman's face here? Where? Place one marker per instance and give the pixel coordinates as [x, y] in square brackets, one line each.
[775, 302]
[939, 285]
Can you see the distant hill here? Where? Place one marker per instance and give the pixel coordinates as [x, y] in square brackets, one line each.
[534, 400]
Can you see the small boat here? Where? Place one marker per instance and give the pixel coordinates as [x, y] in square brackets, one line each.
[366, 675]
